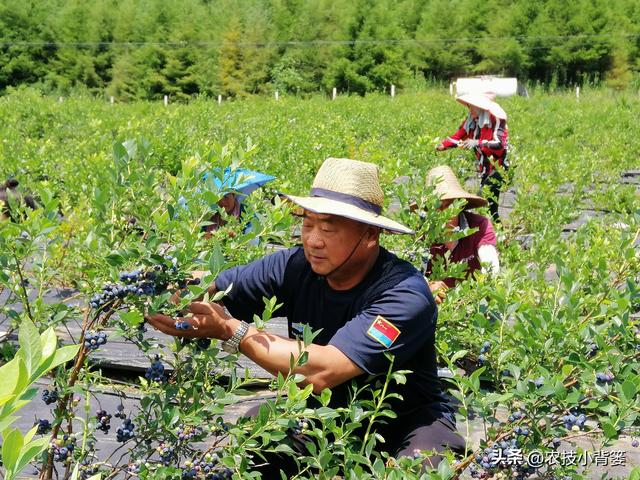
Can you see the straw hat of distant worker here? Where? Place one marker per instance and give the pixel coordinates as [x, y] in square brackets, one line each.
[483, 101]
[447, 187]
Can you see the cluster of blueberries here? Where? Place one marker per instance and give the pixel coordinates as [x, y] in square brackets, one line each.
[125, 431]
[134, 285]
[521, 431]
[573, 422]
[485, 348]
[156, 372]
[498, 457]
[104, 421]
[518, 430]
[517, 415]
[166, 453]
[63, 448]
[206, 468]
[88, 470]
[139, 282]
[186, 433]
[94, 340]
[44, 426]
[50, 396]
[300, 427]
[605, 377]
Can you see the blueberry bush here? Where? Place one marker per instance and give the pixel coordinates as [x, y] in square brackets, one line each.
[542, 357]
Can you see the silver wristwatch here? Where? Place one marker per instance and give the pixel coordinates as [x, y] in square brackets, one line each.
[233, 344]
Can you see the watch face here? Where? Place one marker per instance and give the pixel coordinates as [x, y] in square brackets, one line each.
[229, 348]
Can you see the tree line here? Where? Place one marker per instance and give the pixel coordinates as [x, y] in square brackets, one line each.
[144, 49]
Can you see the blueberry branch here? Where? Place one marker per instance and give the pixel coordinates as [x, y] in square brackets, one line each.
[23, 287]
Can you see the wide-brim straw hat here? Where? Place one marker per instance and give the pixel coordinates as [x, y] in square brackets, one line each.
[483, 102]
[447, 187]
[351, 189]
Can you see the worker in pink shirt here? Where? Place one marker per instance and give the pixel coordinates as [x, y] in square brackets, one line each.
[477, 250]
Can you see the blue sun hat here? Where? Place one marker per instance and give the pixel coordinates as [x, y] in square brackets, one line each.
[240, 181]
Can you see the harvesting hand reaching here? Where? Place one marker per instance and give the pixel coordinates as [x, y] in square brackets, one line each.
[438, 289]
[206, 320]
[469, 143]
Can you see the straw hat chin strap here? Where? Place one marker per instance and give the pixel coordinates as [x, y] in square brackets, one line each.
[353, 250]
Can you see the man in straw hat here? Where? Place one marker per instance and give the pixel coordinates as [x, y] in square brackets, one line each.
[485, 132]
[476, 250]
[363, 300]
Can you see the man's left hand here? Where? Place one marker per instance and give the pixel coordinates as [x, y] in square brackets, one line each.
[207, 320]
[469, 143]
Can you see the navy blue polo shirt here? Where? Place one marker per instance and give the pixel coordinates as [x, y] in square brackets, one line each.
[390, 311]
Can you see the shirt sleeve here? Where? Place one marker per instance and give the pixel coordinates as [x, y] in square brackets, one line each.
[486, 234]
[408, 313]
[499, 138]
[453, 140]
[252, 282]
[488, 255]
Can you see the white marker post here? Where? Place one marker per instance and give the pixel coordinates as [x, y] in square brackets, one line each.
[219, 99]
[393, 91]
[60, 99]
[111, 100]
[277, 95]
[166, 100]
[578, 93]
[451, 88]
[334, 93]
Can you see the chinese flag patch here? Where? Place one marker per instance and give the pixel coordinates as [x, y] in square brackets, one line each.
[383, 331]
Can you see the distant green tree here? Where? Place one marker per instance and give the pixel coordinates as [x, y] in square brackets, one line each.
[258, 49]
[501, 49]
[149, 48]
[377, 57]
[25, 54]
[231, 60]
[446, 41]
[574, 40]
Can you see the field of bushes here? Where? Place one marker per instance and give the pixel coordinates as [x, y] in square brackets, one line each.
[559, 327]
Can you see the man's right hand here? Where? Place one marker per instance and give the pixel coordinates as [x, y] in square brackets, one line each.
[440, 147]
[206, 320]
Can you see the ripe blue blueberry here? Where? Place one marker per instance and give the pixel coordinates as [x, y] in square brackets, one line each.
[44, 426]
[125, 431]
[182, 325]
[104, 421]
[93, 340]
[50, 397]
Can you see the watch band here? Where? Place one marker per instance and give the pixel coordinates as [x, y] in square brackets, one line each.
[233, 344]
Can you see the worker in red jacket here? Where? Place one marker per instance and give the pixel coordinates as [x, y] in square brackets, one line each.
[485, 132]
